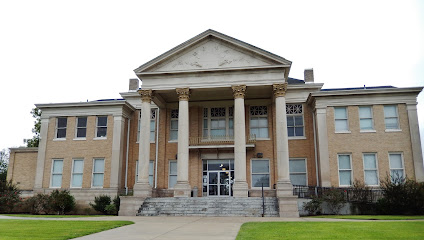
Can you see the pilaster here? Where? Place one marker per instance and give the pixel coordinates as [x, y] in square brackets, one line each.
[414, 130]
[324, 159]
[117, 149]
[39, 174]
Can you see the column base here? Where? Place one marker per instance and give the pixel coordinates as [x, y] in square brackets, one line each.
[288, 207]
[240, 189]
[284, 188]
[130, 205]
[143, 190]
[182, 189]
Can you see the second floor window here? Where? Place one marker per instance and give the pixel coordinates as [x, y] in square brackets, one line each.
[152, 126]
[295, 125]
[173, 132]
[259, 121]
[61, 127]
[340, 119]
[391, 117]
[81, 127]
[365, 118]
[218, 122]
[101, 129]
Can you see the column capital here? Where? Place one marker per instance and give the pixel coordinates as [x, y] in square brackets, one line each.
[239, 91]
[183, 94]
[279, 89]
[146, 95]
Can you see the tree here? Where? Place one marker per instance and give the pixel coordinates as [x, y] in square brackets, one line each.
[4, 162]
[35, 140]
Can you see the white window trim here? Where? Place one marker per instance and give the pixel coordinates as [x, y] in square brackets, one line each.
[56, 128]
[398, 129]
[251, 173]
[169, 172]
[351, 169]
[76, 138]
[227, 122]
[303, 118]
[95, 132]
[51, 172]
[139, 128]
[403, 164]
[92, 172]
[347, 120]
[376, 165]
[170, 129]
[306, 168]
[259, 116]
[372, 120]
[72, 171]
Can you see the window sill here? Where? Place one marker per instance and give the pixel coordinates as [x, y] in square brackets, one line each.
[368, 131]
[100, 138]
[297, 138]
[173, 141]
[343, 132]
[79, 139]
[75, 187]
[59, 139]
[138, 142]
[260, 188]
[393, 130]
[96, 187]
[261, 139]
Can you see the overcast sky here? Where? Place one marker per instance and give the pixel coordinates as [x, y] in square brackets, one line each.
[71, 51]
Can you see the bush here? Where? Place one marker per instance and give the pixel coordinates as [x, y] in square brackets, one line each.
[334, 198]
[111, 209]
[62, 201]
[401, 197]
[100, 203]
[313, 207]
[117, 203]
[9, 196]
[39, 204]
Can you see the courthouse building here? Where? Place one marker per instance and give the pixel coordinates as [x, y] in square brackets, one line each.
[218, 117]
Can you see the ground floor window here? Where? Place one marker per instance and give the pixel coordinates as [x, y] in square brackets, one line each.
[57, 169]
[260, 173]
[98, 172]
[172, 179]
[345, 169]
[396, 166]
[77, 171]
[297, 169]
[370, 169]
[151, 172]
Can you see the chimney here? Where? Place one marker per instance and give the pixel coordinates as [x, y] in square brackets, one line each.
[133, 84]
[309, 75]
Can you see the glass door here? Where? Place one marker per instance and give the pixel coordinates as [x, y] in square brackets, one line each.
[218, 177]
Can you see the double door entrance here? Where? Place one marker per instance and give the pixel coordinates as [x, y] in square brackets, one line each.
[218, 177]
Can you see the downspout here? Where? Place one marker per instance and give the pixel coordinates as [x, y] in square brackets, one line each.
[157, 149]
[126, 157]
[315, 147]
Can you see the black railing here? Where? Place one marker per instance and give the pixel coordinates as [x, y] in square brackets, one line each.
[350, 194]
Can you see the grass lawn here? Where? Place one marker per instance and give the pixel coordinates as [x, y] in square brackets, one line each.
[50, 229]
[372, 217]
[51, 216]
[332, 230]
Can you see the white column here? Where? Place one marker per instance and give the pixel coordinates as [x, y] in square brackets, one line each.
[284, 186]
[38, 185]
[142, 188]
[414, 130]
[324, 159]
[240, 187]
[117, 150]
[182, 187]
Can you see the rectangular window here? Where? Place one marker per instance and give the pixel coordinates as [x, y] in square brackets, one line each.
[152, 126]
[98, 172]
[61, 127]
[370, 169]
[81, 127]
[295, 125]
[259, 121]
[57, 169]
[396, 166]
[260, 173]
[173, 132]
[77, 171]
[297, 169]
[101, 129]
[365, 118]
[340, 119]
[218, 123]
[172, 174]
[391, 117]
[345, 170]
[151, 172]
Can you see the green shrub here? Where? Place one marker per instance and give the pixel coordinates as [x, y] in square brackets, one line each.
[314, 206]
[100, 203]
[39, 204]
[117, 203]
[111, 209]
[62, 201]
[334, 198]
[9, 196]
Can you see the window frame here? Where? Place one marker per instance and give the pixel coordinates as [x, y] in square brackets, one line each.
[344, 119]
[76, 128]
[251, 116]
[294, 115]
[402, 161]
[92, 173]
[152, 162]
[299, 173]
[169, 173]
[53, 173]
[173, 117]
[366, 118]
[57, 128]
[228, 116]
[153, 117]
[339, 170]
[397, 129]
[376, 168]
[262, 173]
[97, 127]
[73, 173]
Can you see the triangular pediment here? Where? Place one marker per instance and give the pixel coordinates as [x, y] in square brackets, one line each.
[211, 50]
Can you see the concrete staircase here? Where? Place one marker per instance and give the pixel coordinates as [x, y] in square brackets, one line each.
[209, 206]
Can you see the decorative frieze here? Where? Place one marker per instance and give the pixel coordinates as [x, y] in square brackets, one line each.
[183, 94]
[146, 95]
[239, 91]
[279, 89]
